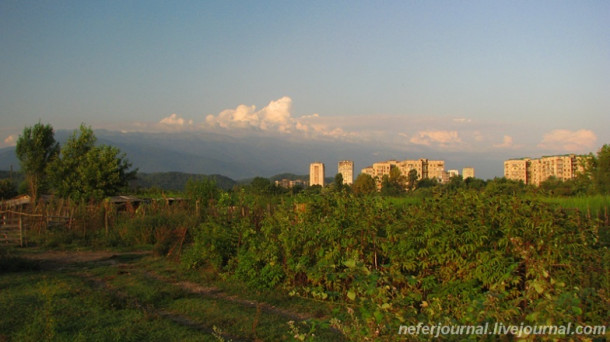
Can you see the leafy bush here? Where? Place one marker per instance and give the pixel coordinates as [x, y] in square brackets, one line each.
[460, 257]
[213, 245]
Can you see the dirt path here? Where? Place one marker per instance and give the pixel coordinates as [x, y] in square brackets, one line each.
[62, 259]
[78, 261]
[74, 259]
[216, 293]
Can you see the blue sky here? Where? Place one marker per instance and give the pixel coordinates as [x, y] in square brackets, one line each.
[501, 78]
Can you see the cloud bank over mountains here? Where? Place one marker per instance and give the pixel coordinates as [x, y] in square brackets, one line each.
[571, 141]
[409, 132]
[443, 139]
[286, 141]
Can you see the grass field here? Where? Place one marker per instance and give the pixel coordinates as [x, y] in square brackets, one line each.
[128, 296]
[596, 205]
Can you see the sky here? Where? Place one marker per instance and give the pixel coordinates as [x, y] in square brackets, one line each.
[500, 79]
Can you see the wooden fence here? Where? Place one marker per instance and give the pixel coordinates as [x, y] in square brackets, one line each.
[15, 224]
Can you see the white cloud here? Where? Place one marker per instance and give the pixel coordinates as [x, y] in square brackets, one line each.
[582, 140]
[275, 117]
[175, 120]
[10, 140]
[507, 142]
[441, 138]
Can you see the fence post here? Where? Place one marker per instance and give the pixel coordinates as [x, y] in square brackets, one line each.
[21, 230]
[106, 205]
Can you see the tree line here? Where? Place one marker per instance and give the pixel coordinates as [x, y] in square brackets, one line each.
[84, 170]
[78, 170]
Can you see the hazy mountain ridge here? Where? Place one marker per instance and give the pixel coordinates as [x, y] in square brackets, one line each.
[248, 157]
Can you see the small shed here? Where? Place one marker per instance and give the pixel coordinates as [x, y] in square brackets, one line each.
[18, 202]
[123, 202]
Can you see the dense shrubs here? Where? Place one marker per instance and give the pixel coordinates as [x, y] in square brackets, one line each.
[457, 258]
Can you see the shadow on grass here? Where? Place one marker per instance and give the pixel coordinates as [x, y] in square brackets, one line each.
[10, 263]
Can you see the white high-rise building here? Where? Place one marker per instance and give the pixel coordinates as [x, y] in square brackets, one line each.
[468, 172]
[316, 174]
[346, 169]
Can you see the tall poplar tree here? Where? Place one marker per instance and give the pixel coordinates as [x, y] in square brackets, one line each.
[36, 149]
[601, 170]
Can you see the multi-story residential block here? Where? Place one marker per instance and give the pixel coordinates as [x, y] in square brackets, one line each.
[316, 174]
[298, 182]
[425, 169]
[346, 169]
[420, 166]
[536, 171]
[383, 168]
[453, 173]
[284, 183]
[287, 183]
[369, 171]
[436, 169]
[468, 172]
[517, 169]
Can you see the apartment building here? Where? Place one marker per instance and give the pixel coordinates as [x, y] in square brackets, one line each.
[425, 169]
[468, 172]
[536, 171]
[346, 169]
[368, 171]
[420, 166]
[288, 183]
[316, 174]
[436, 168]
[517, 169]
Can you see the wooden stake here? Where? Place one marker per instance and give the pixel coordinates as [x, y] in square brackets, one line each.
[20, 231]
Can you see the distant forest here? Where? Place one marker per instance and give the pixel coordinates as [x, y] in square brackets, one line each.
[16, 176]
[170, 181]
[177, 180]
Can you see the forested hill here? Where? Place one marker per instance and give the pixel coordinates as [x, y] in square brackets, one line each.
[178, 180]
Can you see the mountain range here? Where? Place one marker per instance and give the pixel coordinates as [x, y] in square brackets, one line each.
[251, 156]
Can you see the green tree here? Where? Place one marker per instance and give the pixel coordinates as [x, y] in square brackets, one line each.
[394, 183]
[426, 182]
[505, 186]
[338, 182]
[474, 183]
[84, 171]
[312, 190]
[264, 186]
[202, 190]
[412, 179]
[36, 148]
[600, 170]
[364, 184]
[455, 183]
[7, 188]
